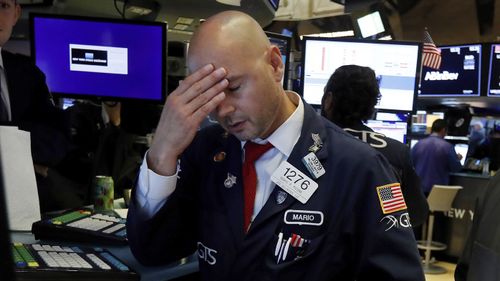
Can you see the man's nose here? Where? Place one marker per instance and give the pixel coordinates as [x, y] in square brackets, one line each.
[224, 108]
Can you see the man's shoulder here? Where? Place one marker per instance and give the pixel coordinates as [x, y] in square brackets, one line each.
[344, 142]
[396, 145]
[17, 61]
[7, 55]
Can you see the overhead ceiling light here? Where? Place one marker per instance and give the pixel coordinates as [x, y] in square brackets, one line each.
[181, 26]
[142, 7]
[346, 33]
[230, 2]
[183, 20]
[139, 10]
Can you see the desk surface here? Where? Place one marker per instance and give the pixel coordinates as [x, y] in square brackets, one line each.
[156, 273]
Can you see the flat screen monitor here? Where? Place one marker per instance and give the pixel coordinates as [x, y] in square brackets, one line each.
[389, 116]
[494, 71]
[459, 74]
[392, 129]
[110, 59]
[462, 149]
[395, 63]
[283, 42]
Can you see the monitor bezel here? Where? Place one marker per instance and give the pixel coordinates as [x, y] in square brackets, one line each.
[89, 96]
[305, 39]
[481, 61]
[288, 54]
[490, 47]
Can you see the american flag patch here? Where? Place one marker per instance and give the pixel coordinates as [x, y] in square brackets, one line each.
[391, 198]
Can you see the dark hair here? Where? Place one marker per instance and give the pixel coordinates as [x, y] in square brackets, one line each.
[355, 92]
[438, 125]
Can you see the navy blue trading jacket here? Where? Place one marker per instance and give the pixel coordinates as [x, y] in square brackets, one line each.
[340, 233]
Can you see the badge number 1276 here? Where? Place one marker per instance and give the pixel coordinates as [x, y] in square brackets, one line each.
[293, 181]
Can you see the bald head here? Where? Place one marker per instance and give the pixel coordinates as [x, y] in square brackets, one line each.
[229, 33]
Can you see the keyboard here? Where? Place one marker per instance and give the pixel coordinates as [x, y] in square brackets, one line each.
[83, 226]
[55, 262]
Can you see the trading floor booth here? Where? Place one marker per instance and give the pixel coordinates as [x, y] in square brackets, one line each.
[453, 227]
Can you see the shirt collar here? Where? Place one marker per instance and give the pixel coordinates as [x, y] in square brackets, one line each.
[286, 136]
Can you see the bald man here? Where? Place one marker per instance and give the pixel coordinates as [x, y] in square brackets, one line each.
[325, 206]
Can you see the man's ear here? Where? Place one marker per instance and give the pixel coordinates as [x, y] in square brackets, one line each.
[276, 62]
[18, 12]
[327, 101]
[327, 105]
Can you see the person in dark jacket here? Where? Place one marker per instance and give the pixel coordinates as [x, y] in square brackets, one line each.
[317, 205]
[435, 158]
[480, 260]
[25, 102]
[349, 100]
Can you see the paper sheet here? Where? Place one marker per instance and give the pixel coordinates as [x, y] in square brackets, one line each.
[19, 178]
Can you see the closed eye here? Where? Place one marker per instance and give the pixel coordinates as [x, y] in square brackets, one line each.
[234, 88]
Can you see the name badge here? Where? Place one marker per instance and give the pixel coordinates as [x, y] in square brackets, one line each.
[293, 181]
[313, 165]
[303, 217]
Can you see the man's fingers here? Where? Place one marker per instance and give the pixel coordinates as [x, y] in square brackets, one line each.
[203, 111]
[199, 82]
[192, 78]
[200, 100]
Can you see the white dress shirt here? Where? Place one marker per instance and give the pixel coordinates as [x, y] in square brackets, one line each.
[4, 91]
[154, 190]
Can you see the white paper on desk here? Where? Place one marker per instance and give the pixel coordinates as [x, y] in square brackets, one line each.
[19, 178]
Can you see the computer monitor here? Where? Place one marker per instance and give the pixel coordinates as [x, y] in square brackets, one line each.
[390, 116]
[462, 149]
[283, 42]
[458, 76]
[392, 129]
[395, 63]
[494, 71]
[112, 59]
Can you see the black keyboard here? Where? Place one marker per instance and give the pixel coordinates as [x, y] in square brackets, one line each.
[83, 226]
[55, 262]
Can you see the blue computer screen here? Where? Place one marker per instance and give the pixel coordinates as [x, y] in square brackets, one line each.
[92, 57]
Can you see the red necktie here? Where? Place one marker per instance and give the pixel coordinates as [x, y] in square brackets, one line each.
[253, 151]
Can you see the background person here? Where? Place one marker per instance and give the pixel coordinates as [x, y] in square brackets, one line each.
[435, 158]
[25, 101]
[350, 97]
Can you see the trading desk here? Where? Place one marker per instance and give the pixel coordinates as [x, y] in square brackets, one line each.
[458, 221]
[174, 270]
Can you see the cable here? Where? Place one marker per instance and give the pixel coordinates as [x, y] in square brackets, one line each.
[123, 8]
[120, 12]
